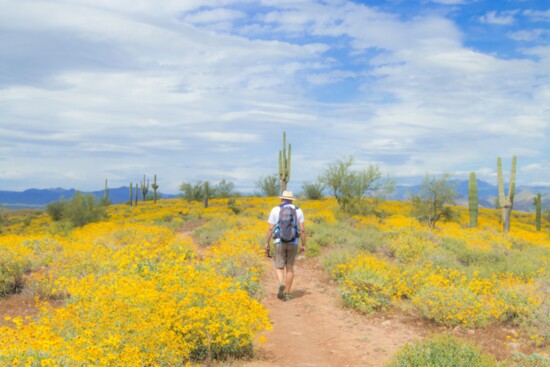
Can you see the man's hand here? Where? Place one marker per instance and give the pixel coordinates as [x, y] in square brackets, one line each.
[267, 248]
[303, 249]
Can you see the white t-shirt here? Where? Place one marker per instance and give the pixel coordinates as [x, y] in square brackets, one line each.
[274, 218]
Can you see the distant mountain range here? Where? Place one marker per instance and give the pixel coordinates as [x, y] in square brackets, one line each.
[487, 193]
[39, 198]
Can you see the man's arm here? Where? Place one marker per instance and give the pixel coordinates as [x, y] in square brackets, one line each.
[268, 236]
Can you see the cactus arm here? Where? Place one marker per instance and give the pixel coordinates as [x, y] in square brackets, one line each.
[512, 188]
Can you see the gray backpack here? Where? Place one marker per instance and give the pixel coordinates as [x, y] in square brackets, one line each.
[288, 224]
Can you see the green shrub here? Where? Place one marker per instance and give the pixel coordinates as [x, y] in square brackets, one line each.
[212, 231]
[269, 185]
[80, 210]
[55, 210]
[192, 192]
[313, 191]
[84, 209]
[366, 291]
[233, 206]
[313, 248]
[441, 351]
[533, 360]
[451, 306]
[12, 272]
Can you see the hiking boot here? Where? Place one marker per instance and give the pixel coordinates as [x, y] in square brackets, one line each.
[281, 293]
[287, 297]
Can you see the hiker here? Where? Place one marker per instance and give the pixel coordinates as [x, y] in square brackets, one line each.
[286, 224]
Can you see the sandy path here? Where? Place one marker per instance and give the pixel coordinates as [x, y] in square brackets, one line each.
[314, 329]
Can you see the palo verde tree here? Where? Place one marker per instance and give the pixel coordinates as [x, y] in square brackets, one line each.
[225, 189]
[284, 164]
[269, 185]
[506, 203]
[432, 203]
[192, 192]
[352, 188]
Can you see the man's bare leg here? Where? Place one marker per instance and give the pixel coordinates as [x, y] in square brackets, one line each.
[289, 278]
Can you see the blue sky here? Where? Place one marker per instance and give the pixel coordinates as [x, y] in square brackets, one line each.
[202, 90]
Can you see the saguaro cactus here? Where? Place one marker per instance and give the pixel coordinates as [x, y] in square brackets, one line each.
[284, 163]
[538, 211]
[137, 194]
[207, 193]
[106, 194]
[473, 199]
[506, 203]
[144, 188]
[155, 188]
[131, 195]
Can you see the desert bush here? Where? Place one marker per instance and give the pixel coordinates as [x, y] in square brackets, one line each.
[533, 360]
[451, 306]
[313, 191]
[192, 192]
[366, 292]
[269, 185]
[225, 189]
[212, 231]
[80, 210]
[233, 206]
[433, 202]
[350, 188]
[55, 210]
[84, 209]
[365, 283]
[441, 351]
[12, 272]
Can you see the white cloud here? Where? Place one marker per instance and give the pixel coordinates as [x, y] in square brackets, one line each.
[214, 16]
[204, 89]
[504, 18]
[227, 137]
[530, 35]
[538, 15]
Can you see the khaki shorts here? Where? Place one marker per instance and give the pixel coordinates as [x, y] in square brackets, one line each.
[285, 254]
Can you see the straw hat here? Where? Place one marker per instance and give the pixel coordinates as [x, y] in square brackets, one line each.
[287, 195]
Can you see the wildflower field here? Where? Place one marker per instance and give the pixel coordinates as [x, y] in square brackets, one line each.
[174, 283]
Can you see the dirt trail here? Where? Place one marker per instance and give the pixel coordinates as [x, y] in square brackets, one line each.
[315, 330]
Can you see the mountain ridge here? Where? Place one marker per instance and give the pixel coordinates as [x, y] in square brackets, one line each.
[487, 193]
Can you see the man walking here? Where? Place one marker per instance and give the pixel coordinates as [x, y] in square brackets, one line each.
[286, 225]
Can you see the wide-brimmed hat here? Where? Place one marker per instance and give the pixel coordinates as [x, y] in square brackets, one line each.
[287, 195]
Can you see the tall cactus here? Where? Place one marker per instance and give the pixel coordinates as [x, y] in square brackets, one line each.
[207, 193]
[155, 188]
[538, 211]
[506, 203]
[144, 187]
[106, 194]
[131, 195]
[137, 194]
[284, 163]
[473, 199]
